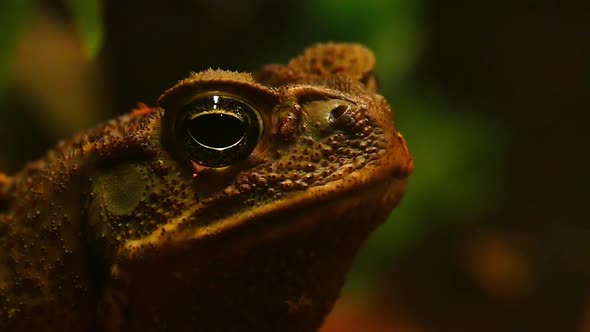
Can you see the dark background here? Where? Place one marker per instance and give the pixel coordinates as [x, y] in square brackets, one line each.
[492, 98]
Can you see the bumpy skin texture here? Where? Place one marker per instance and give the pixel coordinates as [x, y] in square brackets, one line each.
[116, 229]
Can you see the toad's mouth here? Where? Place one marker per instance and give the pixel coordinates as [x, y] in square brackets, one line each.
[375, 199]
[377, 187]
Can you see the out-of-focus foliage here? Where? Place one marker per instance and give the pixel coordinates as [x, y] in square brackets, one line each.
[49, 83]
[13, 15]
[87, 15]
[391, 28]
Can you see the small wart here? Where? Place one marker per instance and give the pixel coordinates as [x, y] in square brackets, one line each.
[236, 203]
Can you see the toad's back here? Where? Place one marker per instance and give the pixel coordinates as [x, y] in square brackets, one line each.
[237, 204]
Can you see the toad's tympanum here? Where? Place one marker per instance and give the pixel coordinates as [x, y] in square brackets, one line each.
[236, 204]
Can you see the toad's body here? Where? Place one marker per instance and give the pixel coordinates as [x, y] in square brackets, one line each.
[165, 220]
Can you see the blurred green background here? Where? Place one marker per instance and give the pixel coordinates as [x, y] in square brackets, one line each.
[491, 96]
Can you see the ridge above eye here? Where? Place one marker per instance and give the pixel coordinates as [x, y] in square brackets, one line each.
[218, 130]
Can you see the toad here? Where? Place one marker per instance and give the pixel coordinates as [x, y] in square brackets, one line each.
[236, 204]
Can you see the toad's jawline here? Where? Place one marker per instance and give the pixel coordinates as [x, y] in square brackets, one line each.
[372, 180]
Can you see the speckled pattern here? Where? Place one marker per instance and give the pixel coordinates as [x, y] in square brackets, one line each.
[117, 229]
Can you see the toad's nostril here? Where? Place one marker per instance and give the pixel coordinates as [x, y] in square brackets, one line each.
[337, 112]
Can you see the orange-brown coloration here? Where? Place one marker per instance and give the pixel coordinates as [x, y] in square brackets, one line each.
[141, 110]
[118, 230]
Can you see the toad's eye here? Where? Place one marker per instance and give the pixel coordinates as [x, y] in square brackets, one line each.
[217, 130]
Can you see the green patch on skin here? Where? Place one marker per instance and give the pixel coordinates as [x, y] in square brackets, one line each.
[122, 188]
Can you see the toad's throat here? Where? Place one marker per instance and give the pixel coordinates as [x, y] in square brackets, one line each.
[377, 186]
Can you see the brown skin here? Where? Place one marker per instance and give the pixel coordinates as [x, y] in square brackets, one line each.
[118, 229]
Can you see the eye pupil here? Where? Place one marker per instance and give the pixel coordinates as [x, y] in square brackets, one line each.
[217, 130]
